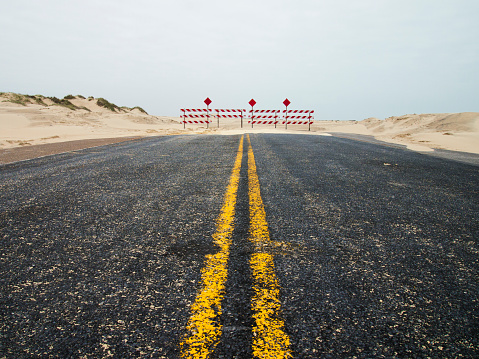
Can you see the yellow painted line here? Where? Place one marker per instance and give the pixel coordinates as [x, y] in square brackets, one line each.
[269, 337]
[204, 327]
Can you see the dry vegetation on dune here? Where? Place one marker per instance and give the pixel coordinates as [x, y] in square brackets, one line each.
[24, 100]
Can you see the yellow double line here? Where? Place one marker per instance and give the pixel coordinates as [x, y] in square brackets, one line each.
[204, 328]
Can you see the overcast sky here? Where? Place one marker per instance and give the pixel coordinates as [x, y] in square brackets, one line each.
[345, 59]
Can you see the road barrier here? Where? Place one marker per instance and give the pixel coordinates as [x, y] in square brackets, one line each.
[220, 113]
[198, 113]
[259, 117]
[293, 120]
[256, 117]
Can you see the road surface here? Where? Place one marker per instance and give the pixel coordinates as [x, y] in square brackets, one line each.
[236, 247]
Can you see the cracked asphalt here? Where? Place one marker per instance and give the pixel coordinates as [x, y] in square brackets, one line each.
[376, 248]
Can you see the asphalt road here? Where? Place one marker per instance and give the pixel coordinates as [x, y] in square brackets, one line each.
[375, 248]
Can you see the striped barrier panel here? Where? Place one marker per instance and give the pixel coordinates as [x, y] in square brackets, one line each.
[293, 119]
[196, 122]
[230, 116]
[262, 117]
[220, 113]
[299, 117]
[196, 116]
[299, 111]
[264, 111]
[265, 117]
[198, 113]
[297, 122]
[229, 110]
[263, 122]
[195, 110]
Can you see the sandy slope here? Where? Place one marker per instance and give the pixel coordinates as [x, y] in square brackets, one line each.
[458, 131]
[37, 124]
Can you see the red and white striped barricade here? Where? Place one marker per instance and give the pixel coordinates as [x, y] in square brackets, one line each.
[263, 117]
[196, 116]
[230, 113]
[305, 118]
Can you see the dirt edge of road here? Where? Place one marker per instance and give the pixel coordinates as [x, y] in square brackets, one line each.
[17, 154]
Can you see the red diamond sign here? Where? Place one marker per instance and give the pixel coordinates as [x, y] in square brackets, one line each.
[286, 102]
[252, 102]
[207, 101]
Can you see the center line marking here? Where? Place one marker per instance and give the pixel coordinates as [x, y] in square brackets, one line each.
[204, 327]
[269, 337]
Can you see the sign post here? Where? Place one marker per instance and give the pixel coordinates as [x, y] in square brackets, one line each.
[208, 102]
[252, 103]
[286, 103]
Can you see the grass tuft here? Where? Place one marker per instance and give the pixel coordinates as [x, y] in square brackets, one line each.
[55, 100]
[140, 109]
[104, 103]
[39, 100]
[125, 108]
[64, 103]
[23, 99]
[19, 99]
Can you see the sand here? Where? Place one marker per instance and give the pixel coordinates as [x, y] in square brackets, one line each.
[31, 124]
[35, 124]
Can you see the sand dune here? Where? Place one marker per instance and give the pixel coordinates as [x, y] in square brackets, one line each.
[450, 131]
[30, 120]
[34, 123]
